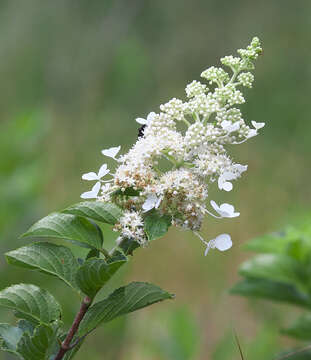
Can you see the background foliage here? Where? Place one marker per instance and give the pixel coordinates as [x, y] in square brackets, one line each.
[75, 74]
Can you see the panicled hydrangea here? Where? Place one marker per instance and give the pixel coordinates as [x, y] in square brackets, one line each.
[144, 183]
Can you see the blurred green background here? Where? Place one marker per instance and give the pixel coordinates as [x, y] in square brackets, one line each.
[74, 76]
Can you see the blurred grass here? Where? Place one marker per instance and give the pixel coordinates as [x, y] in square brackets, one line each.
[75, 74]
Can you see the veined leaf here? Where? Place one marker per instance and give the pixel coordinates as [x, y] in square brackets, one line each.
[128, 246]
[10, 336]
[95, 273]
[301, 328]
[31, 303]
[124, 300]
[49, 258]
[97, 210]
[274, 267]
[156, 225]
[69, 227]
[38, 345]
[271, 290]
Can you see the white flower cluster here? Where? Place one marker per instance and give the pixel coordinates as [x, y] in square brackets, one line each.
[169, 169]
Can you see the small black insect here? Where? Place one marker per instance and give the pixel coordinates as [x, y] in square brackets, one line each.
[141, 131]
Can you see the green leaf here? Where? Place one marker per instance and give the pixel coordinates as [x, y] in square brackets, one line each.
[124, 300]
[156, 225]
[92, 253]
[128, 246]
[38, 345]
[97, 210]
[31, 303]
[49, 258]
[301, 328]
[269, 243]
[271, 290]
[95, 273]
[127, 192]
[10, 336]
[70, 227]
[280, 268]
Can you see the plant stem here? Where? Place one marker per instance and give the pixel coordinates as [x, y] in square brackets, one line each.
[65, 346]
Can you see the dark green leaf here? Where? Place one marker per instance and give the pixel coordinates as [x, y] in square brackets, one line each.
[97, 210]
[10, 336]
[70, 227]
[95, 273]
[127, 192]
[280, 268]
[271, 290]
[26, 326]
[48, 258]
[92, 253]
[122, 301]
[128, 246]
[301, 328]
[38, 345]
[31, 303]
[156, 225]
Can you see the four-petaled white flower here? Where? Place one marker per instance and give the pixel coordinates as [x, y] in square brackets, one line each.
[229, 126]
[258, 125]
[111, 152]
[222, 242]
[147, 121]
[225, 210]
[91, 176]
[254, 132]
[93, 194]
[151, 202]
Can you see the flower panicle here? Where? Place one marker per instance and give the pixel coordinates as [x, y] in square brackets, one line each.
[170, 167]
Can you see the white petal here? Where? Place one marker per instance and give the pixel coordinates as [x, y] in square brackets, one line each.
[206, 250]
[214, 205]
[235, 127]
[223, 242]
[229, 126]
[141, 121]
[103, 171]
[111, 152]
[228, 210]
[252, 133]
[150, 202]
[93, 193]
[227, 186]
[150, 117]
[258, 125]
[90, 176]
[225, 124]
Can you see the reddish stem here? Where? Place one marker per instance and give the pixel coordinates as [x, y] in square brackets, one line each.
[65, 346]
